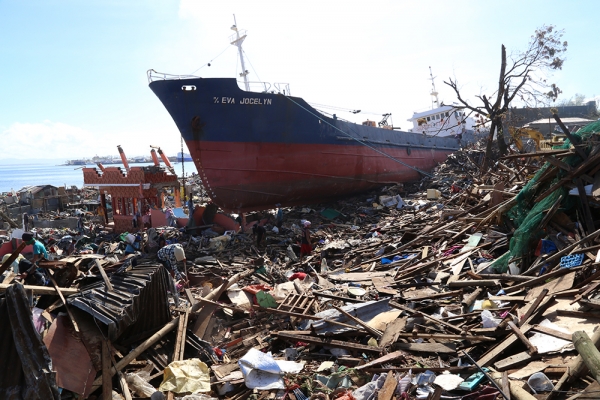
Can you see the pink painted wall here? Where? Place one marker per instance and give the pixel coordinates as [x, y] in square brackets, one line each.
[8, 248]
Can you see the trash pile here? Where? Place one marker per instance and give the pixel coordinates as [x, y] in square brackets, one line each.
[466, 285]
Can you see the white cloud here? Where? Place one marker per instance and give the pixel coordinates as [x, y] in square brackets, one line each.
[44, 140]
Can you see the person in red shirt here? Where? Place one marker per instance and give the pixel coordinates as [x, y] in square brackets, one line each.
[305, 243]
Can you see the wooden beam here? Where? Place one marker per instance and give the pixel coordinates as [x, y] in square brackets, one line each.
[106, 375]
[109, 285]
[533, 306]
[441, 295]
[474, 283]
[342, 298]
[552, 332]
[328, 342]
[588, 352]
[444, 336]
[440, 348]
[396, 355]
[42, 289]
[311, 317]
[514, 361]
[426, 316]
[62, 298]
[369, 329]
[389, 387]
[531, 349]
[139, 350]
[13, 256]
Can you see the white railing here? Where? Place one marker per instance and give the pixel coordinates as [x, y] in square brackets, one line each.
[259, 87]
[161, 76]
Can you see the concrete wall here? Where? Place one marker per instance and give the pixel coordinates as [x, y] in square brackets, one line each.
[70, 223]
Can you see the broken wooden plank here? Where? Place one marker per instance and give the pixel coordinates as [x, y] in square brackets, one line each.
[43, 289]
[109, 285]
[396, 355]
[369, 329]
[389, 387]
[552, 332]
[514, 361]
[440, 348]
[422, 314]
[390, 335]
[328, 342]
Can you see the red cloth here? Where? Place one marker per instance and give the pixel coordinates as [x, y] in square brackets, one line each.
[297, 275]
[305, 249]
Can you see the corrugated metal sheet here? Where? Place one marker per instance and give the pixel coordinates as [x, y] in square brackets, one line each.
[26, 367]
[138, 304]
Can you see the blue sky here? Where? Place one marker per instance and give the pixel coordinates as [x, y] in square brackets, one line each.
[73, 73]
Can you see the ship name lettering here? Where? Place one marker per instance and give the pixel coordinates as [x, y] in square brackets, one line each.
[256, 101]
[228, 100]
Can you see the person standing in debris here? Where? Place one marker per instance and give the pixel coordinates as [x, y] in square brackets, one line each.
[147, 217]
[39, 250]
[71, 249]
[80, 225]
[25, 222]
[39, 253]
[305, 243]
[169, 256]
[279, 217]
[259, 232]
[171, 220]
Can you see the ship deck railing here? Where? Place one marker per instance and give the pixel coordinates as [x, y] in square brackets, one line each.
[161, 76]
[255, 86]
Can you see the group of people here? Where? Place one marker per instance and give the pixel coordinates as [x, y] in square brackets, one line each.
[259, 232]
[170, 255]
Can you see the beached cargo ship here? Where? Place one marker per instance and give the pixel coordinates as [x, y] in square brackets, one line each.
[256, 149]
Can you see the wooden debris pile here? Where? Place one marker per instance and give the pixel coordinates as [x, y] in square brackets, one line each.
[466, 285]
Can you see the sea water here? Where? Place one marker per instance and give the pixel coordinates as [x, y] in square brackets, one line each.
[17, 174]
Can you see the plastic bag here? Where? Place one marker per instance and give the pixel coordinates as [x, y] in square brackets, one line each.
[539, 382]
[139, 385]
[488, 319]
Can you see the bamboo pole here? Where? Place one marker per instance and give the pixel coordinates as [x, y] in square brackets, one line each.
[588, 352]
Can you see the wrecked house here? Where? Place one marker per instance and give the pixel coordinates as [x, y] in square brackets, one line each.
[133, 192]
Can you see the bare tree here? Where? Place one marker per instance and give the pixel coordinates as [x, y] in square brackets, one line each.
[524, 79]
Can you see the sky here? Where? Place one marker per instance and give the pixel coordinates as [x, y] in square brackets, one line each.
[73, 78]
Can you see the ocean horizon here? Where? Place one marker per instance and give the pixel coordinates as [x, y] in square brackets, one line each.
[16, 174]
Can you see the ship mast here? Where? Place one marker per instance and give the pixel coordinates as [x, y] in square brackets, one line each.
[434, 93]
[238, 42]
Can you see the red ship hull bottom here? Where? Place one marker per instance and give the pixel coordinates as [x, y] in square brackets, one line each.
[243, 177]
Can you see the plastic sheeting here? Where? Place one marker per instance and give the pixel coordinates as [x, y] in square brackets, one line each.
[186, 376]
[26, 368]
[261, 371]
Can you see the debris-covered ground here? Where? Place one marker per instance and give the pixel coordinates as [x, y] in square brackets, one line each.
[466, 285]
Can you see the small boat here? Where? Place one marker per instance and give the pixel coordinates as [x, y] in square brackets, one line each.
[254, 149]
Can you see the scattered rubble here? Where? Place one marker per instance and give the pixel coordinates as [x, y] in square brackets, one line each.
[466, 285]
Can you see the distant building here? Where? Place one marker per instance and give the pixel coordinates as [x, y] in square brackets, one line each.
[40, 197]
[519, 117]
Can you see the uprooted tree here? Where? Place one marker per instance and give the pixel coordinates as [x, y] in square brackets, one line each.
[524, 79]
